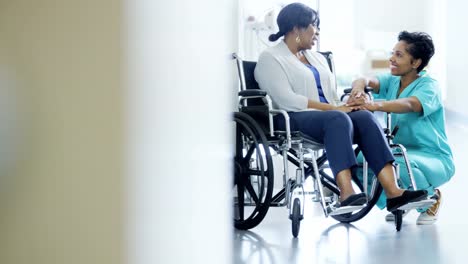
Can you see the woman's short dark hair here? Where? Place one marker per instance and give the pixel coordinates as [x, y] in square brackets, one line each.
[292, 15]
[420, 46]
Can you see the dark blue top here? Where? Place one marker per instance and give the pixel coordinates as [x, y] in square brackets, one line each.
[319, 85]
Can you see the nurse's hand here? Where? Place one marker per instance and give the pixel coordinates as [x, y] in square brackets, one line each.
[357, 99]
[356, 92]
[372, 106]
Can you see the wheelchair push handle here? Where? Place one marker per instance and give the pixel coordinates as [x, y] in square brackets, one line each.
[347, 92]
[395, 130]
[366, 90]
[391, 135]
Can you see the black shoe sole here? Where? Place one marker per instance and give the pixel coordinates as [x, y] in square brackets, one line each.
[355, 199]
[405, 201]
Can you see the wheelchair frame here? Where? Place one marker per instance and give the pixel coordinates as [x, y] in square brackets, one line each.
[256, 119]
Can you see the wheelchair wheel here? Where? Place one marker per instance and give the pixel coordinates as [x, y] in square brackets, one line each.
[253, 173]
[296, 217]
[373, 196]
[398, 219]
[357, 215]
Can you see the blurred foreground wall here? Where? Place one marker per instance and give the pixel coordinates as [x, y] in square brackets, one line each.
[62, 202]
[114, 131]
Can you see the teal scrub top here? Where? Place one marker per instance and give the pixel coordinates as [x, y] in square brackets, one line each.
[420, 131]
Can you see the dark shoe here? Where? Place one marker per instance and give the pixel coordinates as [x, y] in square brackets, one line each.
[407, 197]
[354, 199]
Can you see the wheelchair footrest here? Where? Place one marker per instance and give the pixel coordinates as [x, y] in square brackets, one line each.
[332, 210]
[418, 204]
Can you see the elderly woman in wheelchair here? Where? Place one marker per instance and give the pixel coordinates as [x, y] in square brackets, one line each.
[303, 97]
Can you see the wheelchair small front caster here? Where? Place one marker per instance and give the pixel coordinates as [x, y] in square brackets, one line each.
[296, 217]
[398, 219]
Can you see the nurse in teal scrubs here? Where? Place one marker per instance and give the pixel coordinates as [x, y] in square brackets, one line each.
[414, 100]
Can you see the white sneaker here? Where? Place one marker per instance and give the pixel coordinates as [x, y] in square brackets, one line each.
[430, 215]
[391, 217]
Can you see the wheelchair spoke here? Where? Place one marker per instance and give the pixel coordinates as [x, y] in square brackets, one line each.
[249, 153]
[255, 172]
[240, 200]
[251, 191]
[238, 144]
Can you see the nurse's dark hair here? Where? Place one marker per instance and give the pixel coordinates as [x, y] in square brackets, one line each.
[420, 46]
[292, 15]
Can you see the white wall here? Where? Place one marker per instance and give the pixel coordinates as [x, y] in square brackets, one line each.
[378, 23]
[457, 56]
[357, 31]
[391, 16]
[180, 92]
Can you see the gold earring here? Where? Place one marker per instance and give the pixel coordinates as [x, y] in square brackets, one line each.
[298, 40]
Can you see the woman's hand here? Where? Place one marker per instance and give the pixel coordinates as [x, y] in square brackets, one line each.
[346, 109]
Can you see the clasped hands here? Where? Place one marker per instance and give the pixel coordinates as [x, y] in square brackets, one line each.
[358, 100]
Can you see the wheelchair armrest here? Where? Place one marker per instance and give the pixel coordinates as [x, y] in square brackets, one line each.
[285, 115]
[249, 93]
[367, 90]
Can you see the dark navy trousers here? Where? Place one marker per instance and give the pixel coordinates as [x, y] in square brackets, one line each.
[338, 131]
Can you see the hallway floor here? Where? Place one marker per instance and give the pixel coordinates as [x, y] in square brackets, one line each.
[370, 240]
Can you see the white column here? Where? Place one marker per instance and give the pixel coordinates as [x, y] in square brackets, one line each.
[180, 86]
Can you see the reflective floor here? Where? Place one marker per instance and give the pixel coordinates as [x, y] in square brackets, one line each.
[370, 240]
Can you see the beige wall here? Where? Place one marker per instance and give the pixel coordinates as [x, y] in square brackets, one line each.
[64, 201]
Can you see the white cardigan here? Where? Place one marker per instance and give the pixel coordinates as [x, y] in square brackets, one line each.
[289, 82]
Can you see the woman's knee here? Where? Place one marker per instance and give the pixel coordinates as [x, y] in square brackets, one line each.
[339, 119]
[363, 117]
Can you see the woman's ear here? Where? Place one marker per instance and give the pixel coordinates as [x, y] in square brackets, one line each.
[416, 63]
[296, 29]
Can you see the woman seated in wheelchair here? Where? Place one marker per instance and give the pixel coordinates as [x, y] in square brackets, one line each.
[414, 99]
[300, 82]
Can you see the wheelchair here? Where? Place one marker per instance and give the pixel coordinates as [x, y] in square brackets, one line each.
[255, 140]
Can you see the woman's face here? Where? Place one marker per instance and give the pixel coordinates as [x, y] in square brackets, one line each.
[307, 37]
[401, 62]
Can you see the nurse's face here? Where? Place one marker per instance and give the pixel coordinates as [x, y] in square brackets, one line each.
[308, 36]
[401, 62]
